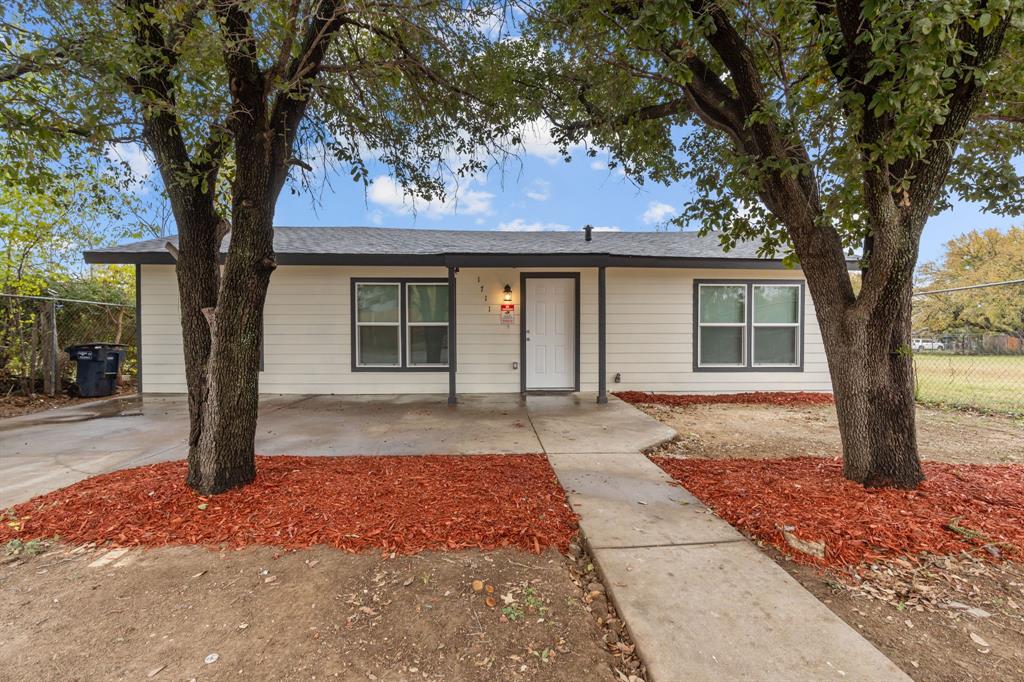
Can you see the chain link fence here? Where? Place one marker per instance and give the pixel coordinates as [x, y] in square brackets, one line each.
[971, 370]
[36, 330]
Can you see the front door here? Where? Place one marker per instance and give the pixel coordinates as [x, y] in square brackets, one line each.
[550, 333]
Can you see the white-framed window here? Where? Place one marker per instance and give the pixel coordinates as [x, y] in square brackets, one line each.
[748, 325]
[426, 324]
[399, 325]
[775, 325]
[722, 325]
[378, 322]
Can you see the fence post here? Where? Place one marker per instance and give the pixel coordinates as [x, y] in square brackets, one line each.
[56, 346]
[51, 352]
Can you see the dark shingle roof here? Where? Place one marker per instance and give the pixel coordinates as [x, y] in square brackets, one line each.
[352, 245]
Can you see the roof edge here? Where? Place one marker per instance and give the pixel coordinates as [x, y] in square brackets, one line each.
[515, 260]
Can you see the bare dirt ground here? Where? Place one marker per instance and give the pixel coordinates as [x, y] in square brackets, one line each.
[949, 619]
[190, 613]
[957, 619]
[766, 431]
[17, 405]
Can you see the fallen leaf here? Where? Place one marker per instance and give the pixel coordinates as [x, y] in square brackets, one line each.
[978, 640]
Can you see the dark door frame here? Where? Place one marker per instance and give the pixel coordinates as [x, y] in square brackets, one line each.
[523, 276]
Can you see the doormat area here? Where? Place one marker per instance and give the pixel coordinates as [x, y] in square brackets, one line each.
[402, 505]
[755, 398]
[806, 509]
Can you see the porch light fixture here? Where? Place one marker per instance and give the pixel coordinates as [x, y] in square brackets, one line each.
[508, 293]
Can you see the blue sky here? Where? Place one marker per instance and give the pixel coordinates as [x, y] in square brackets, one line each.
[539, 192]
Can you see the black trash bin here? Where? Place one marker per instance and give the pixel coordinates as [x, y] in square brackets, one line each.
[99, 365]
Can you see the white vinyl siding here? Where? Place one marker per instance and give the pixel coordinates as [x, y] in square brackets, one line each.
[651, 340]
[308, 335]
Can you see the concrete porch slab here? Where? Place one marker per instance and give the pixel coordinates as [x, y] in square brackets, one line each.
[605, 489]
[728, 612]
[399, 425]
[45, 451]
[576, 423]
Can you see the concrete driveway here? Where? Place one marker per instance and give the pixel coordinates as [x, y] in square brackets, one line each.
[49, 450]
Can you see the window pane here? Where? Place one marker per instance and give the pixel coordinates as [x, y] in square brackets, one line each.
[378, 346]
[428, 302]
[377, 302]
[428, 345]
[776, 303]
[775, 345]
[722, 303]
[721, 345]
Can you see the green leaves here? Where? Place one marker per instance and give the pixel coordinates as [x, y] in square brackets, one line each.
[870, 94]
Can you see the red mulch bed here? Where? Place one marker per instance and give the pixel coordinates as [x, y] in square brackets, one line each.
[809, 497]
[394, 504]
[757, 398]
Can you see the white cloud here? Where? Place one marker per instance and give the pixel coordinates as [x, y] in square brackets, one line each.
[520, 225]
[539, 190]
[376, 217]
[603, 166]
[658, 212]
[137, 161]
[387, 193]
[537, 141]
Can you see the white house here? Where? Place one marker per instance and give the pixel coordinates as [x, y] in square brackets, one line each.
[356, 310]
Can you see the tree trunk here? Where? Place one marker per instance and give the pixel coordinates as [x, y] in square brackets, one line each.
[873, 382]
[223, 456]
[198, 276]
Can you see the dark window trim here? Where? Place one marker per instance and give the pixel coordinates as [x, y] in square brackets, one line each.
[402, 282]
[748, 326]
[523, 276]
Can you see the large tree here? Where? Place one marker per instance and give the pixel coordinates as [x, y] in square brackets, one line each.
[977, 258]
[240, 93]
[821, 128]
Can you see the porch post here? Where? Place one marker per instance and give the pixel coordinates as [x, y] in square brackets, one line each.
[452, 356]
[602, 340]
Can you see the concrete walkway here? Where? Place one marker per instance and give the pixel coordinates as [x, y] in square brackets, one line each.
[701, 601]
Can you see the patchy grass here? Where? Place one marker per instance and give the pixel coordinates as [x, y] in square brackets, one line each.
[989, 383]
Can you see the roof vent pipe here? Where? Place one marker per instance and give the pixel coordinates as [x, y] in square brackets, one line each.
[588, 231]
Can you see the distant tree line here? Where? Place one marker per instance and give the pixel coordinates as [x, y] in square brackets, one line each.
[977, 257]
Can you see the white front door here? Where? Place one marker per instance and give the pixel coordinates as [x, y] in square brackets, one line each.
[550, 333]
